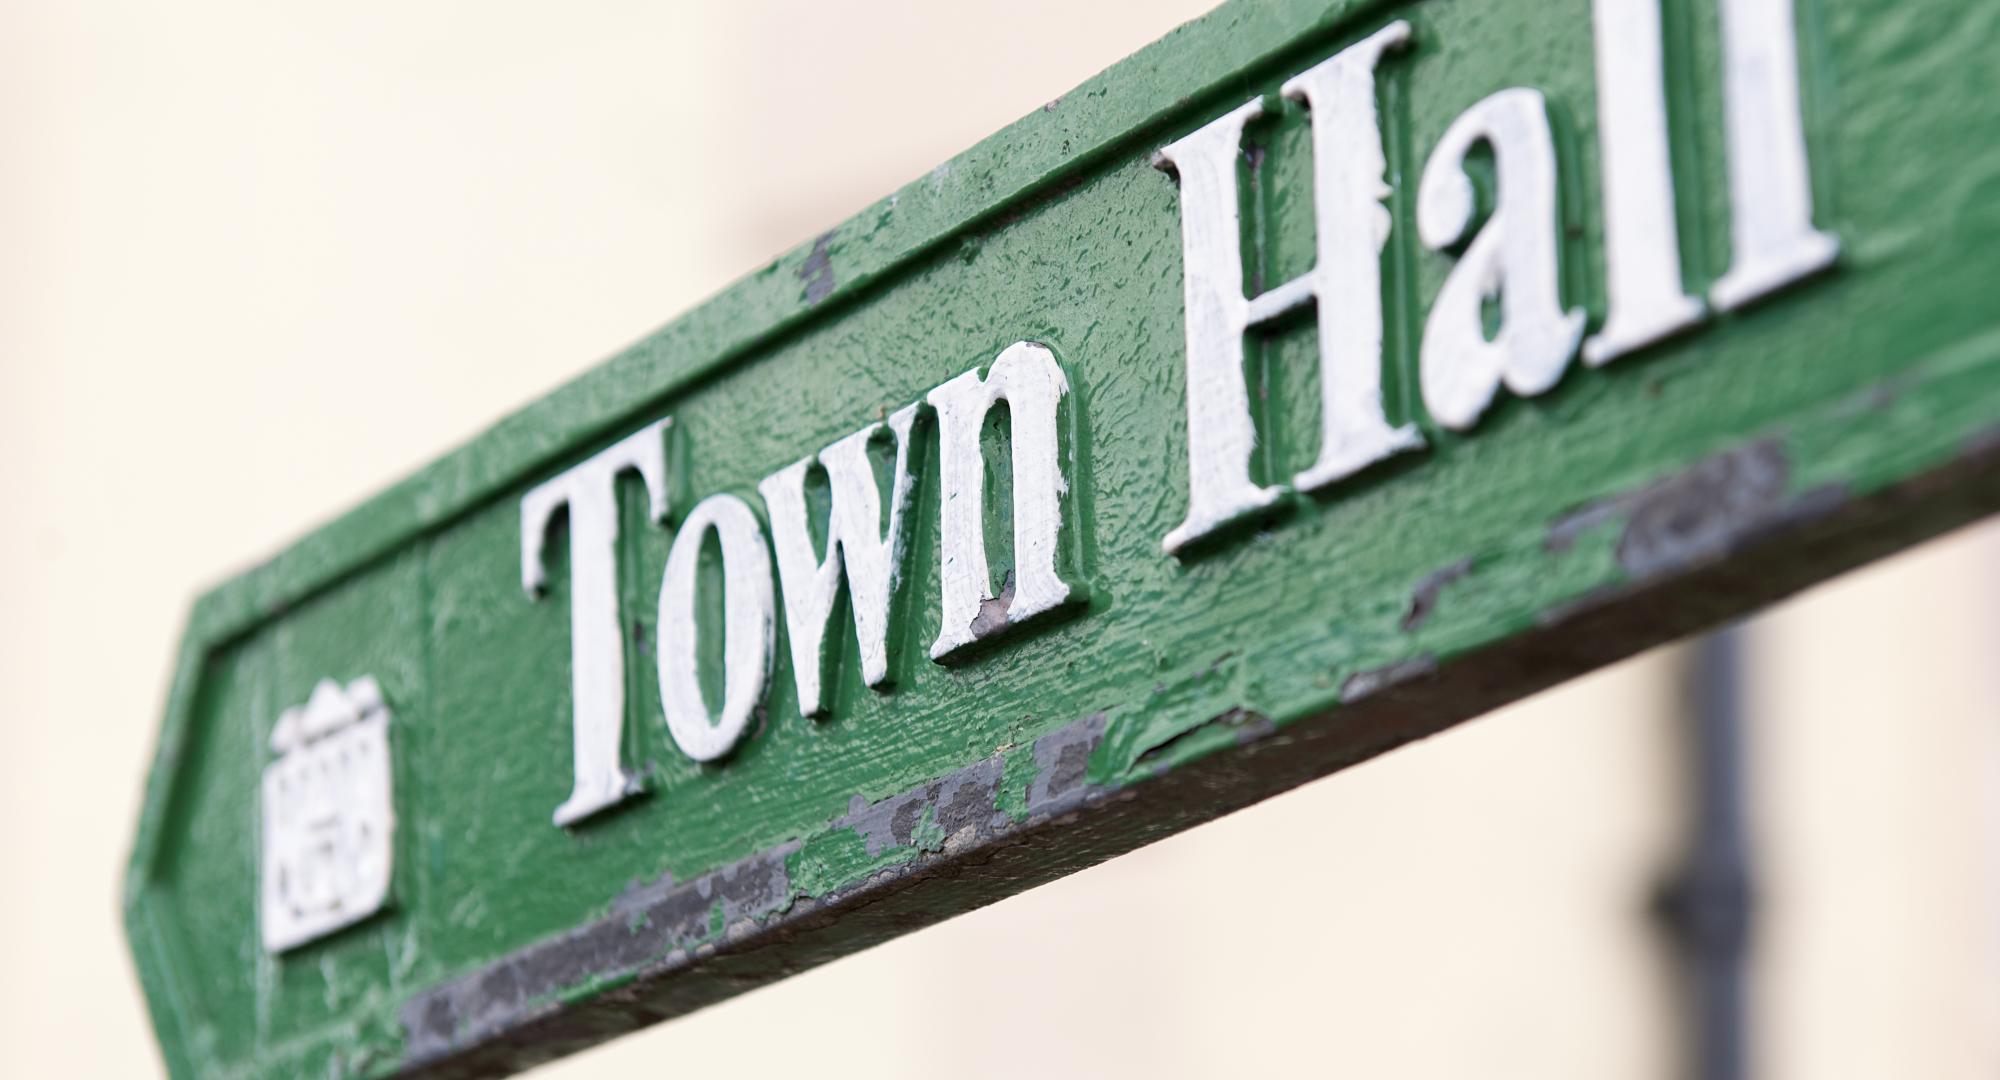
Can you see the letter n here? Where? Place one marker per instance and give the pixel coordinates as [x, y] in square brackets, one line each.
[1027, 377]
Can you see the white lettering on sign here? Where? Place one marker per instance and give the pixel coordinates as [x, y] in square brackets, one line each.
[1770, 183]
[1349, 187]
[1500, 320]
[1512, 261]
[597, 639]
[749, 621]
[1028, 379]
[329, 822]
[1642, 254]
[859, 546]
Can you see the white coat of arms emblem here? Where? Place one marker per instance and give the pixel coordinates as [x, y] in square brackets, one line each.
[329, 822]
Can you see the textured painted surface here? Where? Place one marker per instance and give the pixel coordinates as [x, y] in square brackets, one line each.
[1680, 485]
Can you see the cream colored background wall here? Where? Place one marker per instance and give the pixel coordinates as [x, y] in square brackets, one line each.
[257, 261]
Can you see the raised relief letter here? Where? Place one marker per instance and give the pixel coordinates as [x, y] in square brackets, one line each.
[1770, 183]
[1513, 260]
[749, 623]
[1352, 225]
[1641, 230]
[1028, 379]
[856, 546]
[597, 643]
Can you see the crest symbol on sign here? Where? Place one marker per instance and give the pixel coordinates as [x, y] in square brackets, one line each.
[329, 822]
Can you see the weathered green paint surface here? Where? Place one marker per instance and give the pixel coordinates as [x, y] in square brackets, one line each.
[1843, 418]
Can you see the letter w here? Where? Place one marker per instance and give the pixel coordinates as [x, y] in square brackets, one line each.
[856, 544]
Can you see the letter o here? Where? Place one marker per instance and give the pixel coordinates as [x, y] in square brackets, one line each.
[749, 622]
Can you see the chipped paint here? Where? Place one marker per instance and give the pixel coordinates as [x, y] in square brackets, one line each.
[1062, 763]
[1231, 727]
[967, 798]
[1700, 513]
[649, 931]
[817, 270]
[1366, 684]
[992, 617]
[1424, 597]
[654, 931]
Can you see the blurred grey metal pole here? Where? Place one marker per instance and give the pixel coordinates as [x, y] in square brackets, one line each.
[1707, 904]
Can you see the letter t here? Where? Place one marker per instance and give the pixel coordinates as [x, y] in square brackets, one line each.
[597, 640]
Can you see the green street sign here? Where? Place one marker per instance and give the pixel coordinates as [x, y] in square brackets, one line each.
[1324, 375]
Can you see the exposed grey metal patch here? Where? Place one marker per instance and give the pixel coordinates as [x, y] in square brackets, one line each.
[817, 272]
[650, 928]
[1694, 514]
[967, 797]
[1363, 684]
[1062, 759]
[656, 927]
[1424, 598]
